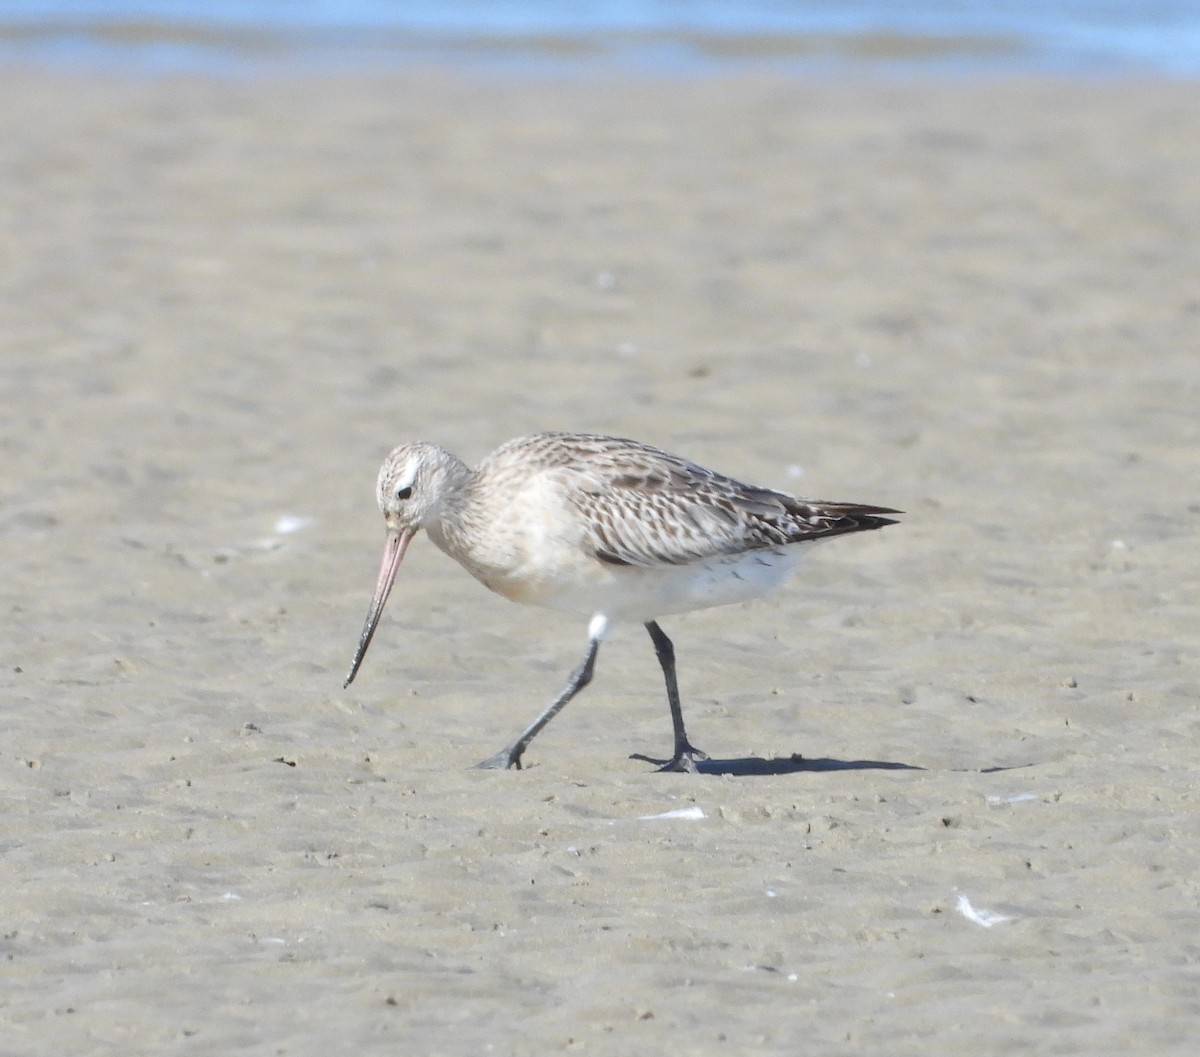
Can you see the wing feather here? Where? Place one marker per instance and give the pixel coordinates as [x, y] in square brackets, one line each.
[645, 507]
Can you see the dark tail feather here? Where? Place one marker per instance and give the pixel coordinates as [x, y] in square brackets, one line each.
[816, 519]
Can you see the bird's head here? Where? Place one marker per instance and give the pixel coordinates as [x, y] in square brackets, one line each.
[414, 483]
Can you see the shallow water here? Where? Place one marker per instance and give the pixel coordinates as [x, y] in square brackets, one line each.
[957, 37]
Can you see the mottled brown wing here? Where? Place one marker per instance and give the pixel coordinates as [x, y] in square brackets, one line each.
[656, 509]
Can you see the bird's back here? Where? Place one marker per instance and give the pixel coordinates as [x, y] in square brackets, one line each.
[642, 506]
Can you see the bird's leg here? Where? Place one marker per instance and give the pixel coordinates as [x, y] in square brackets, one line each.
[685, 754]
[511, 757]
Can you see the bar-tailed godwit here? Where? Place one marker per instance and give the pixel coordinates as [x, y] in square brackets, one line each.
[604, 528]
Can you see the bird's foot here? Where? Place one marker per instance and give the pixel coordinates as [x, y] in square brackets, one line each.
[504, 760]
[686, 758]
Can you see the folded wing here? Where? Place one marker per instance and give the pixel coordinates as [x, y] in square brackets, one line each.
[656, 509]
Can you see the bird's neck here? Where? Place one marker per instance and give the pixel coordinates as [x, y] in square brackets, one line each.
[448, 527]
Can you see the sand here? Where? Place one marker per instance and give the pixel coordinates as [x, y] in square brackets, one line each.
[222, 302]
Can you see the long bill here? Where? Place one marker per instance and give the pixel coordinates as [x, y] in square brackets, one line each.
[393, 554]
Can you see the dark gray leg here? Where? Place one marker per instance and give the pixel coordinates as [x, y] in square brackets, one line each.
[511, 757]
[686, 754]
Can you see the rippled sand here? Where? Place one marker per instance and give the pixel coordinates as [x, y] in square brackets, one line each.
[223, 302]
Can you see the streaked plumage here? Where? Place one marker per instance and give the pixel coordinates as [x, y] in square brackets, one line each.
[606, 528]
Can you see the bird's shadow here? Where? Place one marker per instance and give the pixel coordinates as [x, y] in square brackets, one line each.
[757, 766]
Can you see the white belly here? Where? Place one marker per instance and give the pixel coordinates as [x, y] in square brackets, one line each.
[623, 592]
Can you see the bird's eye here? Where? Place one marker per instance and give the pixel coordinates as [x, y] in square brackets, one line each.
[405, 492]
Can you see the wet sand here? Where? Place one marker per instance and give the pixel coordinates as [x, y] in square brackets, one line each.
[223, 302]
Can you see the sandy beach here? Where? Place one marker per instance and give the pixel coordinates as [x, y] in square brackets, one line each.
[952, 804]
